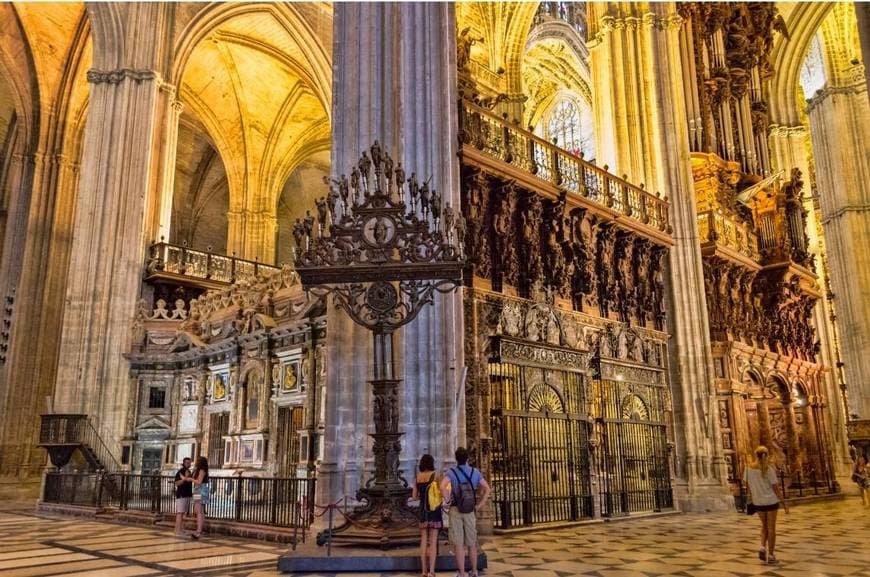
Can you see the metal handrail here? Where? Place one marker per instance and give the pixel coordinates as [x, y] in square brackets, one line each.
[76, 429]
[501, 140]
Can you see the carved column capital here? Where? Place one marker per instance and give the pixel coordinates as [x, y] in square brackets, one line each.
[117, 76]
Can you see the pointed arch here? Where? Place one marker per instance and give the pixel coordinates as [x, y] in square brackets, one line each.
[788, 58]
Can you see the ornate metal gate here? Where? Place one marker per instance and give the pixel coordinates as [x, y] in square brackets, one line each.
[634, 458]
[540, 457]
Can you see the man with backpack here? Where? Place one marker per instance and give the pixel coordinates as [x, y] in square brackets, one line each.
[465, 492]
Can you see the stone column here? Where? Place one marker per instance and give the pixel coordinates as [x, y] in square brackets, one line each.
[764, 435]
[794, 454]
[789, 149]
[839, 116]
[252, 234]
[115, 194]
[643, 132]
[42, 181]
[168, 153]
[394, 81]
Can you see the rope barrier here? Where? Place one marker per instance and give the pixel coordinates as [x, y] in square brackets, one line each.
[324, 509]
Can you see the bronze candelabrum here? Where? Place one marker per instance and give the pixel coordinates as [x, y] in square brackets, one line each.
[383, 245]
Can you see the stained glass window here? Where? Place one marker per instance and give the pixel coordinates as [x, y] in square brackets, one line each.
[570, 126]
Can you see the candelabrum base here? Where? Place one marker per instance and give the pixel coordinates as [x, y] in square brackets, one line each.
[385, 520]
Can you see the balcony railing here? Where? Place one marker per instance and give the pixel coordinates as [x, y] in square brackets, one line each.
[716, 227]
[501, 140]
[272, 501]
[187, 262]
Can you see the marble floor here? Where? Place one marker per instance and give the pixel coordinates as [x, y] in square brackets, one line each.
[823, 539]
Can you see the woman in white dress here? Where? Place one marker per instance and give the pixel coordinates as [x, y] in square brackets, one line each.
[765, 496]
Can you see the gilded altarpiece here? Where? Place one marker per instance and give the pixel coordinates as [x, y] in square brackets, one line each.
[244, 372]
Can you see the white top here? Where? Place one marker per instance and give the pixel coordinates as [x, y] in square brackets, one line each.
[761, 487]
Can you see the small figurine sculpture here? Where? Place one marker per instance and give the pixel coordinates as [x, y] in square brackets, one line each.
[400, 182]
[413, 189]
[424, 199]
[365, 170]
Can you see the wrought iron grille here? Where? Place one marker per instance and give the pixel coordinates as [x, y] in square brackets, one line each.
[633, 464]
[274, 501]
[540, 458]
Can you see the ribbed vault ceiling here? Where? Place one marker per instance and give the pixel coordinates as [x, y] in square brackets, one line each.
[249, 84]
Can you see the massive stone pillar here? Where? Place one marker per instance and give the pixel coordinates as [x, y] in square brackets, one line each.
[394, 81]
[642, 131]
[165, 184]
[839, 115]
[789, 148]
[115, 210]
[43, 149]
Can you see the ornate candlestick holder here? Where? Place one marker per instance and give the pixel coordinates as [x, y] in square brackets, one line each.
[382, 260]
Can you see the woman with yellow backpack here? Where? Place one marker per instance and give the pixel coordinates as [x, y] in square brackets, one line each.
[426, 489]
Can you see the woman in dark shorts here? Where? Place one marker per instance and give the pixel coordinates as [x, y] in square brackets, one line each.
[430, 514]
[765, 496]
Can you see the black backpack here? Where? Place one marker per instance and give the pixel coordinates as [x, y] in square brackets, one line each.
[464, 496]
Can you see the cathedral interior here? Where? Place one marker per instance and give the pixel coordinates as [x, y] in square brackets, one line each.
[664, 210]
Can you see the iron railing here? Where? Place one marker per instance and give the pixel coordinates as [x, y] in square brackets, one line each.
[273, 501]
[792, 487]
[181, 260]
[75, 429]
[497, 138]
[633, 454]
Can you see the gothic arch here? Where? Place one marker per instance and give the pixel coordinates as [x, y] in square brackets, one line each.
[802, 388]
[788, 58]
[109, 36]
[778, 382]
[752, 375]
[18, 71]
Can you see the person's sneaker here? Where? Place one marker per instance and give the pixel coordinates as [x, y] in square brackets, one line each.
[762, 554]
[194, 536]
[772, 560]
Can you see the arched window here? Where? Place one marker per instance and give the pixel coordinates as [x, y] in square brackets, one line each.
[563, 125]
[813, 71]
[569, 124]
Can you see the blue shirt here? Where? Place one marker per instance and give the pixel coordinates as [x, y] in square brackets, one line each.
[456, 478]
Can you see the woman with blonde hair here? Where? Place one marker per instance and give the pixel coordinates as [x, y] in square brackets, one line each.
[765, 497]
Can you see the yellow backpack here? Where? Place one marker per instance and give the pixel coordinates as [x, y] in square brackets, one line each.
[433, 494]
